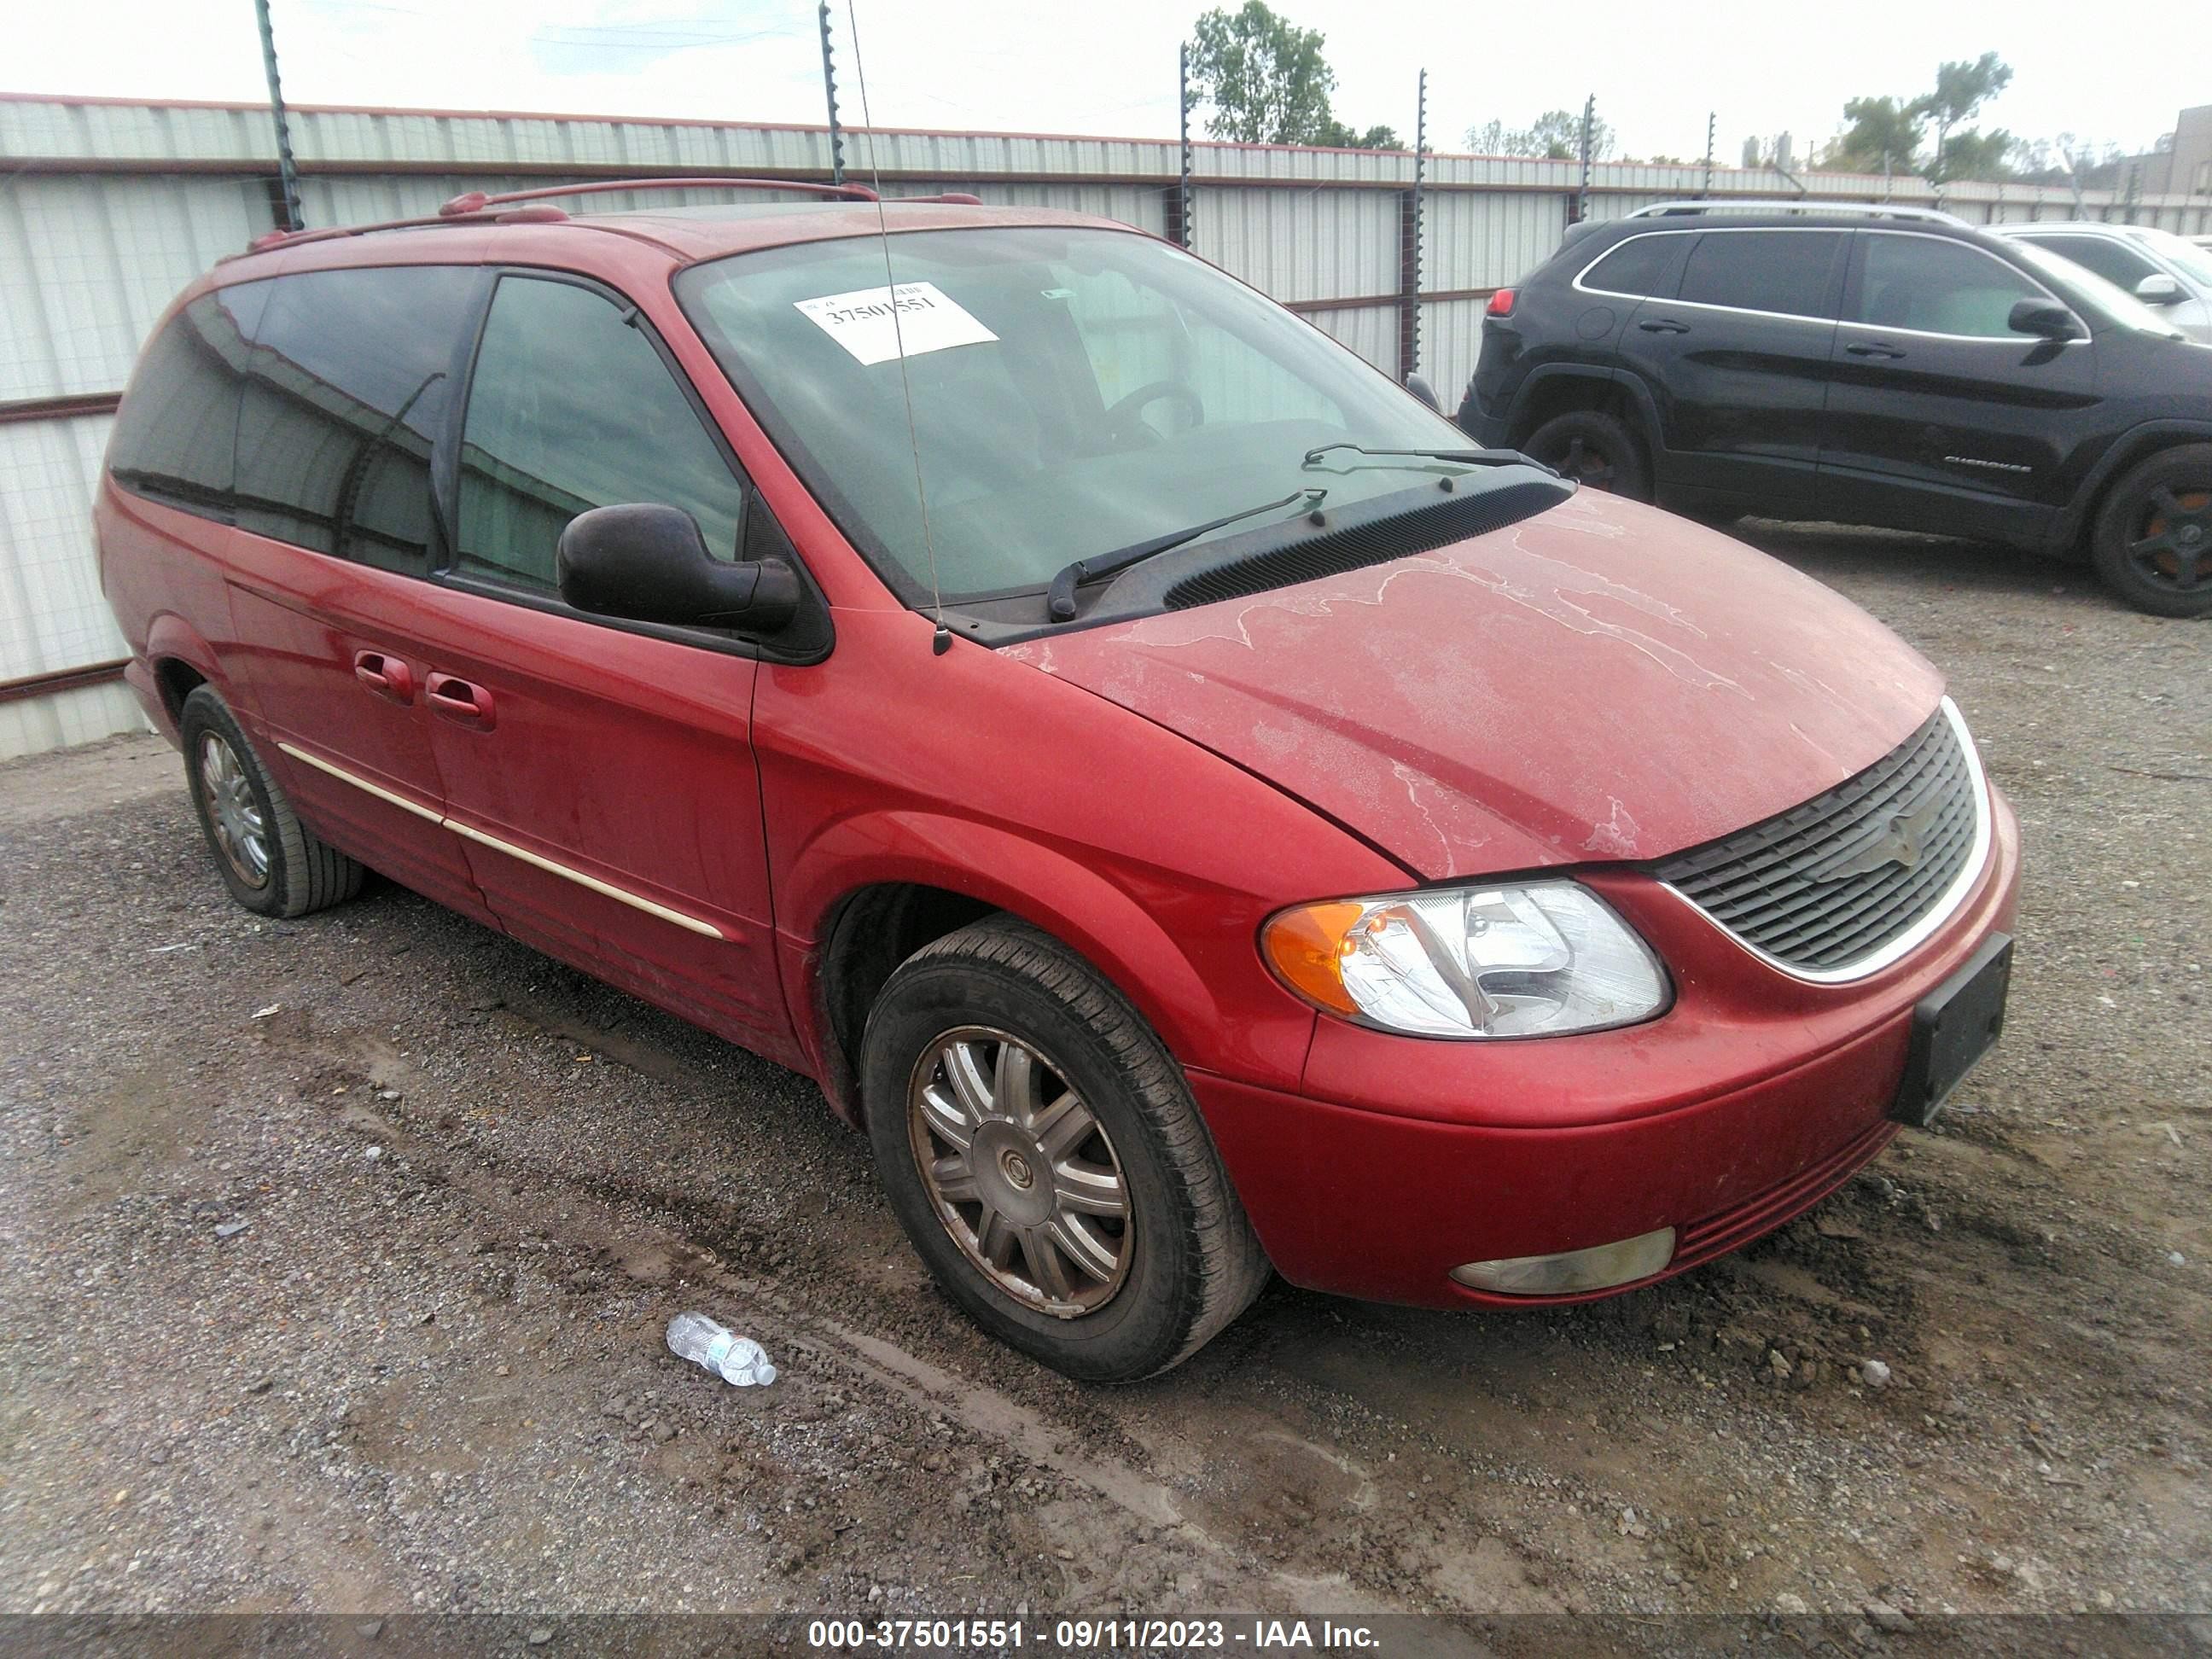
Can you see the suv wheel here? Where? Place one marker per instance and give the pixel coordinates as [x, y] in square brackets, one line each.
[274, 864]
[1043, 1153]
[2153, 539]
[1593, 449]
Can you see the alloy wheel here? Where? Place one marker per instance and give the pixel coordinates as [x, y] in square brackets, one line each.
[1586, 463]
[1020, 1171]
[233, 811]
[2172, 542]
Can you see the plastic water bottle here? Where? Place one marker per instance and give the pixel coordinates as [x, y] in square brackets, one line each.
[736, 1359]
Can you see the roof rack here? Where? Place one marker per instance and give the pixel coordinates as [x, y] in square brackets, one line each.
[474, 201]
[1799, 204]
[474, 207]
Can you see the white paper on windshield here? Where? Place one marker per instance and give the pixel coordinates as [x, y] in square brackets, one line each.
[871, 324]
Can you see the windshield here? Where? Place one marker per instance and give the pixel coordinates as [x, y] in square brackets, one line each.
[2186, 257]
[1075, 391]
[2080, 283]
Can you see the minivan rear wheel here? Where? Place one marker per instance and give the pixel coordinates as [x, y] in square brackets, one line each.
[1592, 449]
[2152, 543]
[1043, 1153]
[274, 864]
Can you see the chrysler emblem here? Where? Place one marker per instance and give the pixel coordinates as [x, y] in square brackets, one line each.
[1902, 840]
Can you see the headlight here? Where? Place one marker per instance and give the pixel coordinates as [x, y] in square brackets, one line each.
[1537, 960]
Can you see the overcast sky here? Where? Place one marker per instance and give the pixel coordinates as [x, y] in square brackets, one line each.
[1108, 67]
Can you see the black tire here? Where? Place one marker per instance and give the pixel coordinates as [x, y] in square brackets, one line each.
[1193, 1262]
[298, 872]
[2152, 541]
[1594, 449]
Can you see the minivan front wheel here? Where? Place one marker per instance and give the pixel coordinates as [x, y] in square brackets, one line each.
[2152, 544]
[1043, 1152]
[1592, 449]
[272, 864]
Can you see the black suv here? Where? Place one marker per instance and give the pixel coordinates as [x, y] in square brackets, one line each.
[1869, 365]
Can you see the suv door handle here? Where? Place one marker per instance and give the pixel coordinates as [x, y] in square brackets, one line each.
[1866, 349]
[1664, 325]
[457, 700]
[387, 677]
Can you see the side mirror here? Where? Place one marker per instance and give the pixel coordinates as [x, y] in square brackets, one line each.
[2047, 319]
[2159, 289]
[1420, 387]
[647, 562]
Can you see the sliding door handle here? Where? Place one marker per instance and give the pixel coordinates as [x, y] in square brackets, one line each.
[387, 677]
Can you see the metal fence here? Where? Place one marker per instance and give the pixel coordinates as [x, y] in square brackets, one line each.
[108, 208]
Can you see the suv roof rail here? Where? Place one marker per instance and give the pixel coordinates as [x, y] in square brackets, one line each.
[1799, 204]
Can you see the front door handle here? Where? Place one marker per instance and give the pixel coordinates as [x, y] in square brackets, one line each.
[1870, 350]
[387, 677]
[459, 700]
[1664, 325]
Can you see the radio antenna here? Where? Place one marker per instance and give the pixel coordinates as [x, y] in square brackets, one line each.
[942, 642]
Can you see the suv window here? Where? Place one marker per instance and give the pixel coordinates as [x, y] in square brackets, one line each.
[176, 429]
[1637, 267]
[1789, 272]
[347, 388]
[572, 408]
[2111, 258]
[1937, 286]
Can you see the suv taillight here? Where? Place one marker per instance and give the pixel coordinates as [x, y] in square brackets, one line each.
[1501, 303]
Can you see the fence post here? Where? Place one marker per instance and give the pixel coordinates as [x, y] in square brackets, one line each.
[829, 92]
[1409, 244]
[1713, 117]
[1179, 205]
[288, 174]
[1582, 195]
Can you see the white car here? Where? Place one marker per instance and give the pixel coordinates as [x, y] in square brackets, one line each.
[2169, 273]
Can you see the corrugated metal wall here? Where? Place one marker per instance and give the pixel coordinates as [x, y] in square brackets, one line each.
[108, 208]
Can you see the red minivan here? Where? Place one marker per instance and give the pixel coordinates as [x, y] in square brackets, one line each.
[1197, 815]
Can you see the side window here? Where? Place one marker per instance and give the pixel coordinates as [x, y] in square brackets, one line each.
[1789, 272]
[175, 431]
[571, 408]
[1937, 286]
[349, 380]
[1637, 267]
[2114, 261]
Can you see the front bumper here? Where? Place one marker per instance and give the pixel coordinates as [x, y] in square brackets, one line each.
[1753, 1097]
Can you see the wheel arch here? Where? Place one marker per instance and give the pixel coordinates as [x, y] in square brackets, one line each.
[2127, 451]
[880, 887]
[1561, 388]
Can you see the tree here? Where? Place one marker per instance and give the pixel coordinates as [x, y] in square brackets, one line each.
[1557, 135]
[1340, 137]
[1878, 127]
[1975, 155]
[1265, 77]
[1962, 87]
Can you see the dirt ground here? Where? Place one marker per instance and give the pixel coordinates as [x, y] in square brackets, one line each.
[335, 1256]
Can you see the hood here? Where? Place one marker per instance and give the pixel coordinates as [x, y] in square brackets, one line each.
[1603, 680]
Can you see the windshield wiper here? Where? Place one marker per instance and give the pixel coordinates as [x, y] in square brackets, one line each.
[1060, 597]
[1472, 457]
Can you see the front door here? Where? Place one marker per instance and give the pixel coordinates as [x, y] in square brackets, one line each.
[1940, 418]
[346, 389]
[601, 772]
[1738, 362]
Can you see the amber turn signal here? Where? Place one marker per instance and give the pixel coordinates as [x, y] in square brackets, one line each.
[1304, 947]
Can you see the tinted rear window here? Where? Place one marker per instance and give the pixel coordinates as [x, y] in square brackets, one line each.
[1637, 267]
[1789, 272]
[349, 382]
[2109, 259]
[174, 434]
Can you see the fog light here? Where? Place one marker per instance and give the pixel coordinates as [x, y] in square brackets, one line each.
[1597, 1268]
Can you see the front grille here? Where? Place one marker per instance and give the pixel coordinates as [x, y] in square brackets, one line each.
[1824, 887]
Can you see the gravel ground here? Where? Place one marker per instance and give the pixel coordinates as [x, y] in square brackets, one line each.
[334, 1257]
